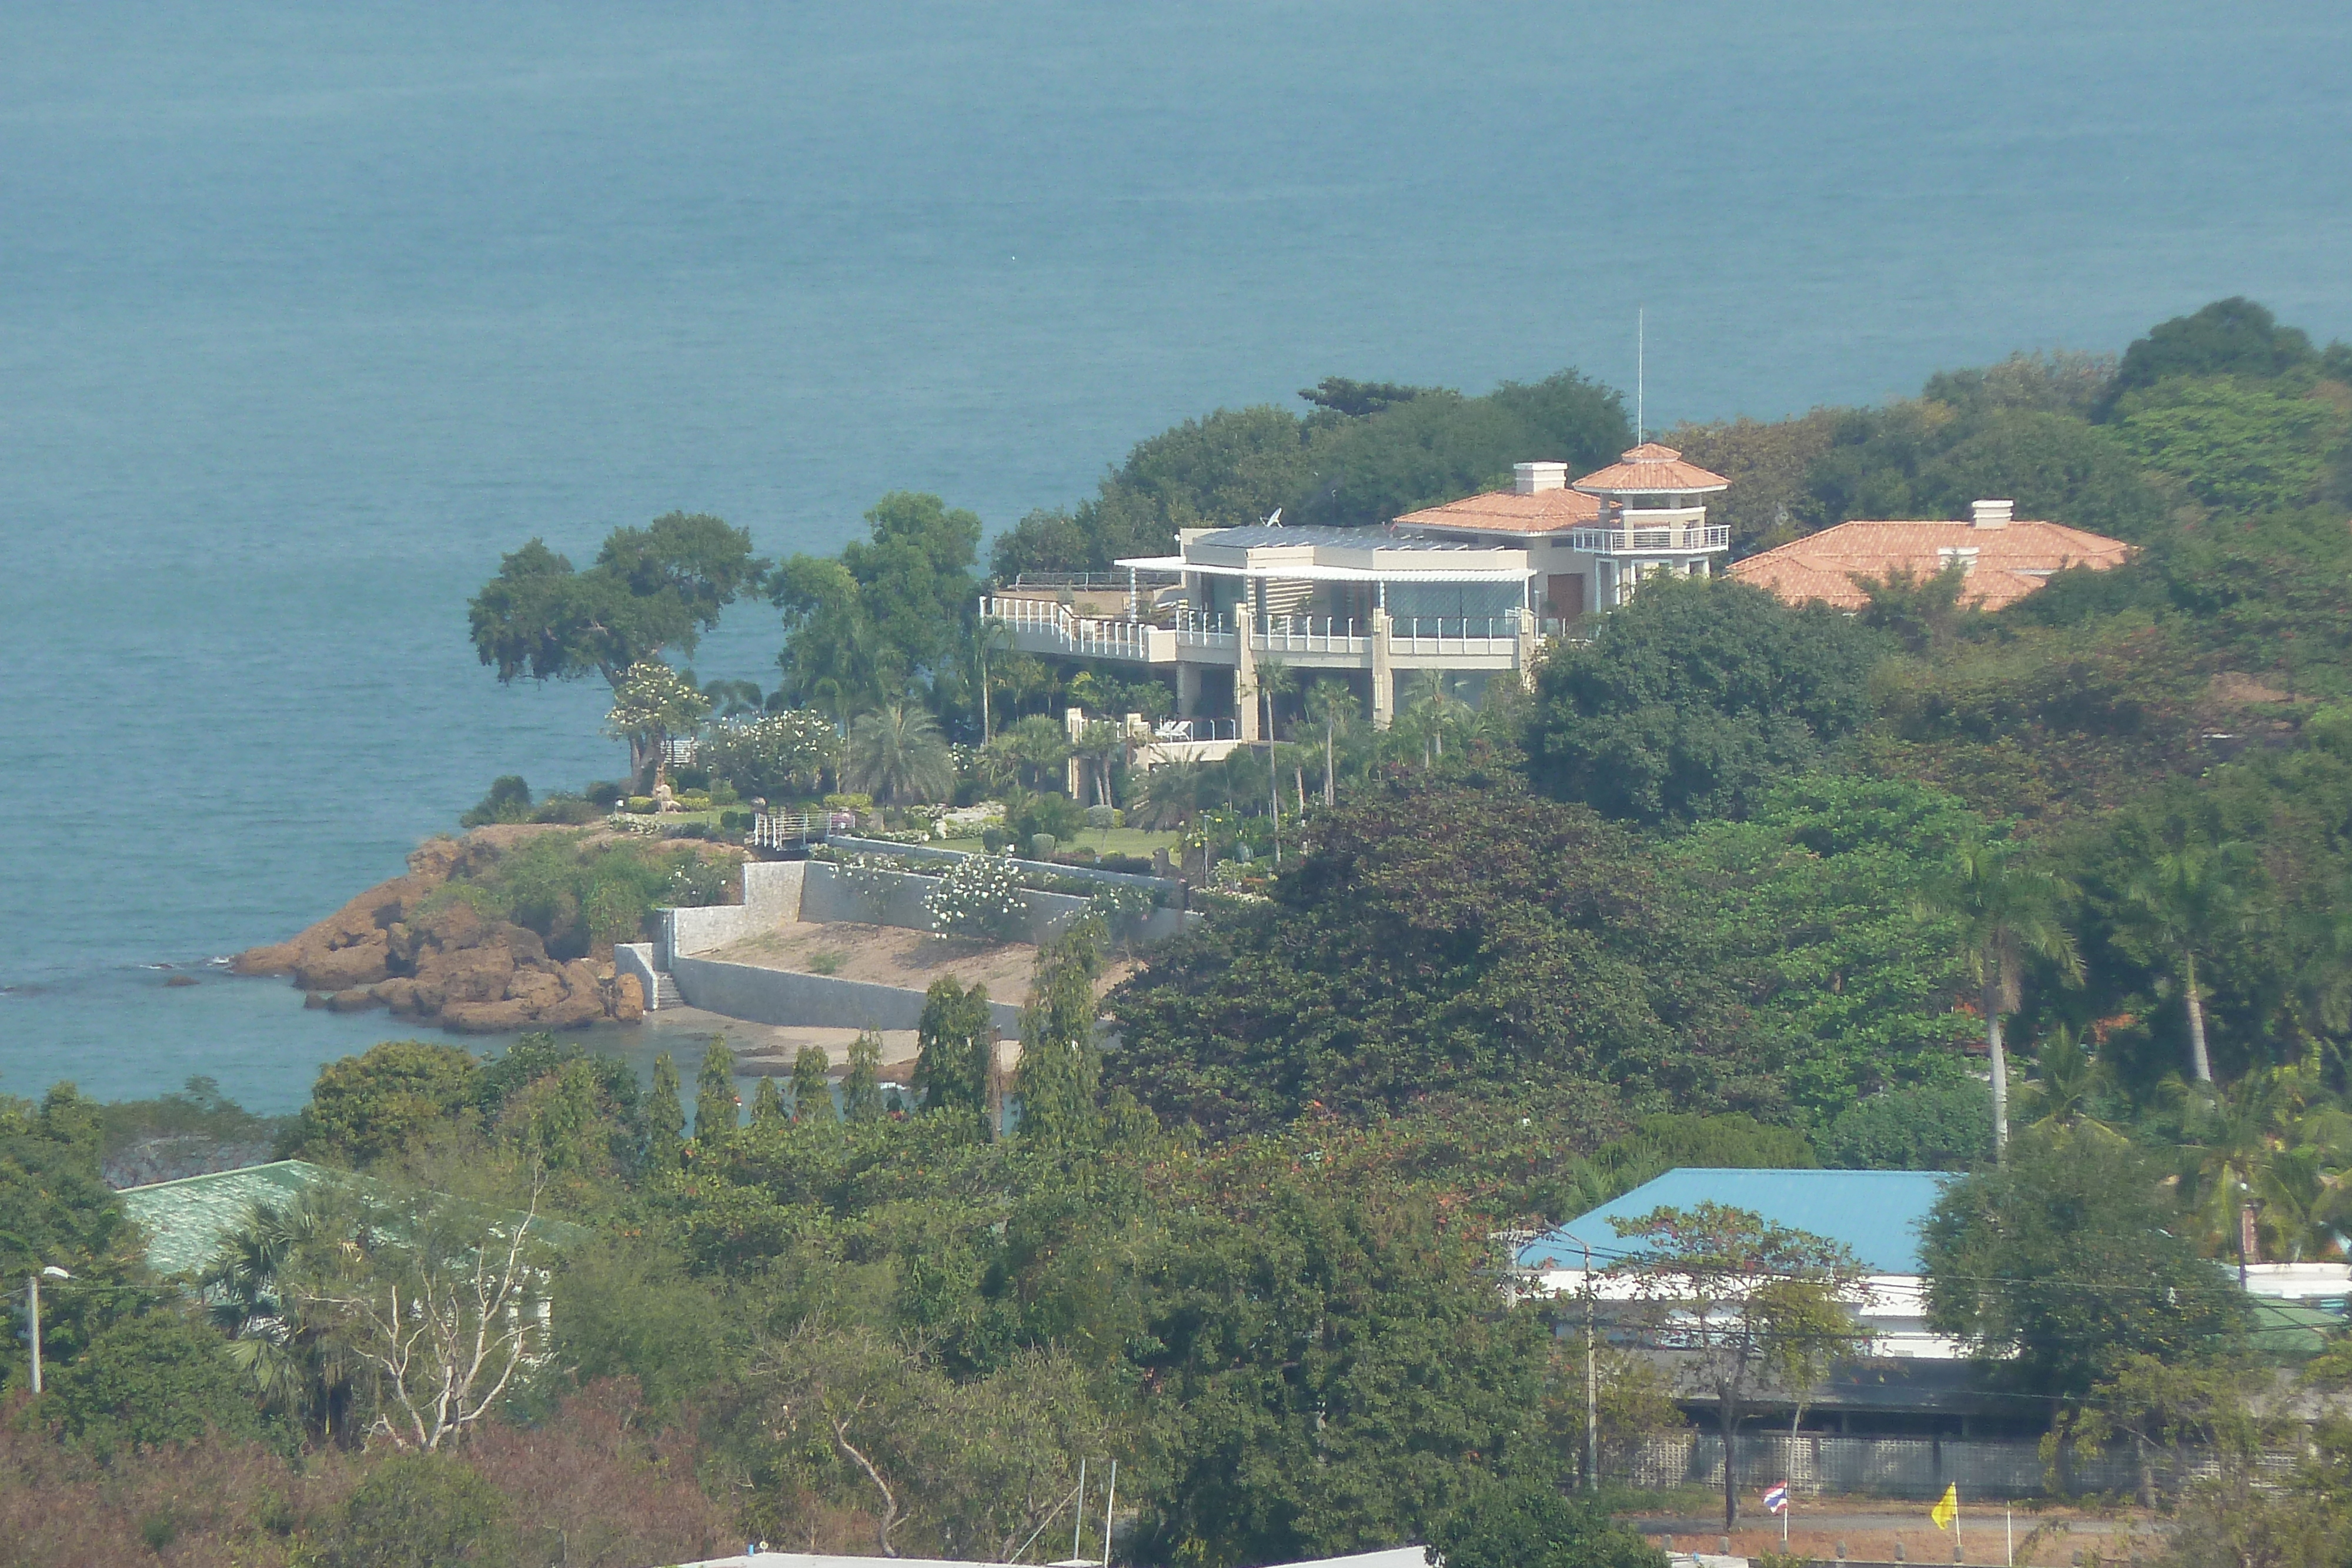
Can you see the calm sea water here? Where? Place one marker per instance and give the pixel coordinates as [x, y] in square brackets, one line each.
[307, 313]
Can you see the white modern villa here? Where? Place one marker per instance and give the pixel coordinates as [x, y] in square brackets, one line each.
[1467, 588]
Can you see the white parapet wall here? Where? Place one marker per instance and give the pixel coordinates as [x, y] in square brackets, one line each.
[780, 892]
[771, 897]
[895, 898]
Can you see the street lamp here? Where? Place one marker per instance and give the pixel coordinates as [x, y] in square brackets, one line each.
[1592, 1388]
[33, 1301]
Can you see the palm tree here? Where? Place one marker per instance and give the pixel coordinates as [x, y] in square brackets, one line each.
[2007, 911]
[1098, 743]
[1430, 700]
[898, 753]
[1174, 792]
[2186, 901]
[1274, 680]
[1332, 705]
[2064, 1092]
[1037, 745]
[992, 634]
[2241, 1162]
[734, 699]
[290, 1363]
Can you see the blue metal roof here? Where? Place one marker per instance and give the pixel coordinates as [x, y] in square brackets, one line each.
[1876, 1214]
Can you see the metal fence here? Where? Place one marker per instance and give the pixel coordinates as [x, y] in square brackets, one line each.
[786, 830]
[1818, 1463]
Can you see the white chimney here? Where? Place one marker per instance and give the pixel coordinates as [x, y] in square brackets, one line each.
[1528, 479]
[1991, 513]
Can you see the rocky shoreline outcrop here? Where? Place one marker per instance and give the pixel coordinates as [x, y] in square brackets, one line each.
[445, 966]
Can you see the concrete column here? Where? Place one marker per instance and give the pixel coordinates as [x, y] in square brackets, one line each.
[1245, 671]
[1383, 677]
[1526, 656]
[1188, 689]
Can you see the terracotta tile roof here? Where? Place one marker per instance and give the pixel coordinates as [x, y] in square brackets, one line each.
[1509, 512]
[2009, 563]
[1651, 467]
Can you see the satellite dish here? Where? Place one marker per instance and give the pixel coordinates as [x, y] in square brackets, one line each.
[1273, 518]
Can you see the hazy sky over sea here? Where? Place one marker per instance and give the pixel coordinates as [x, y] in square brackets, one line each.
[307, 313]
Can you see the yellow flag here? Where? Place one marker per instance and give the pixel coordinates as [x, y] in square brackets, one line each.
[1948, 1508]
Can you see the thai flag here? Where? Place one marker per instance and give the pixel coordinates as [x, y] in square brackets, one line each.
[1777, 1499]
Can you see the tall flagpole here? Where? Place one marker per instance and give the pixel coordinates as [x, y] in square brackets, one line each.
[1641, 370]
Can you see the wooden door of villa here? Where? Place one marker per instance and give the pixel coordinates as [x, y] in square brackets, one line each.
[1564, 595]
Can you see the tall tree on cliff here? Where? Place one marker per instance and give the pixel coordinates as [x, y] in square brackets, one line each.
[861, 1087]
[664, 1117]
[1061, 1062]
[888, 613]
[715, 1100]
[955, 1050]
[812, 1086]
[650, 589]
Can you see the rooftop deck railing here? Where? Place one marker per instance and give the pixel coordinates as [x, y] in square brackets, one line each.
[1141, 577]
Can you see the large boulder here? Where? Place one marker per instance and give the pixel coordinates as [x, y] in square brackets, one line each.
[466, 975]
[628, 999]
[535, 988]
[582, 1001]
[399, 993]
[487, 1017]
[519, 940]
[342, 968]
[438, 960]
[361, 920]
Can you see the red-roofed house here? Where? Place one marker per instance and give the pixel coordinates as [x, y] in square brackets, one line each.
[1588, 544]
[2004, 559]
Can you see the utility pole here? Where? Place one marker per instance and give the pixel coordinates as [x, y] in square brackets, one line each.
[32, 1307]
[1591, 1384]
[1110, 1501]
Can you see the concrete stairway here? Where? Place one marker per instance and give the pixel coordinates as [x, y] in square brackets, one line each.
[666, 993]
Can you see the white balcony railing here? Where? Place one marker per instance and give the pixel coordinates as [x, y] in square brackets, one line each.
[1047, 627]
[1195, 630]
[1043, 626]
[1677, 536]
[1487, 636]
[1310, 634]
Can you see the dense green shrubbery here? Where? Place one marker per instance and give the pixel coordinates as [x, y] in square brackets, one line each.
[1694, 699]
[509, 802]
[581, 894]
[1922, 1127]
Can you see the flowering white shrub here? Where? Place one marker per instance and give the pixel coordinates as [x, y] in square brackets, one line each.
[979, 897]
[866, 882]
